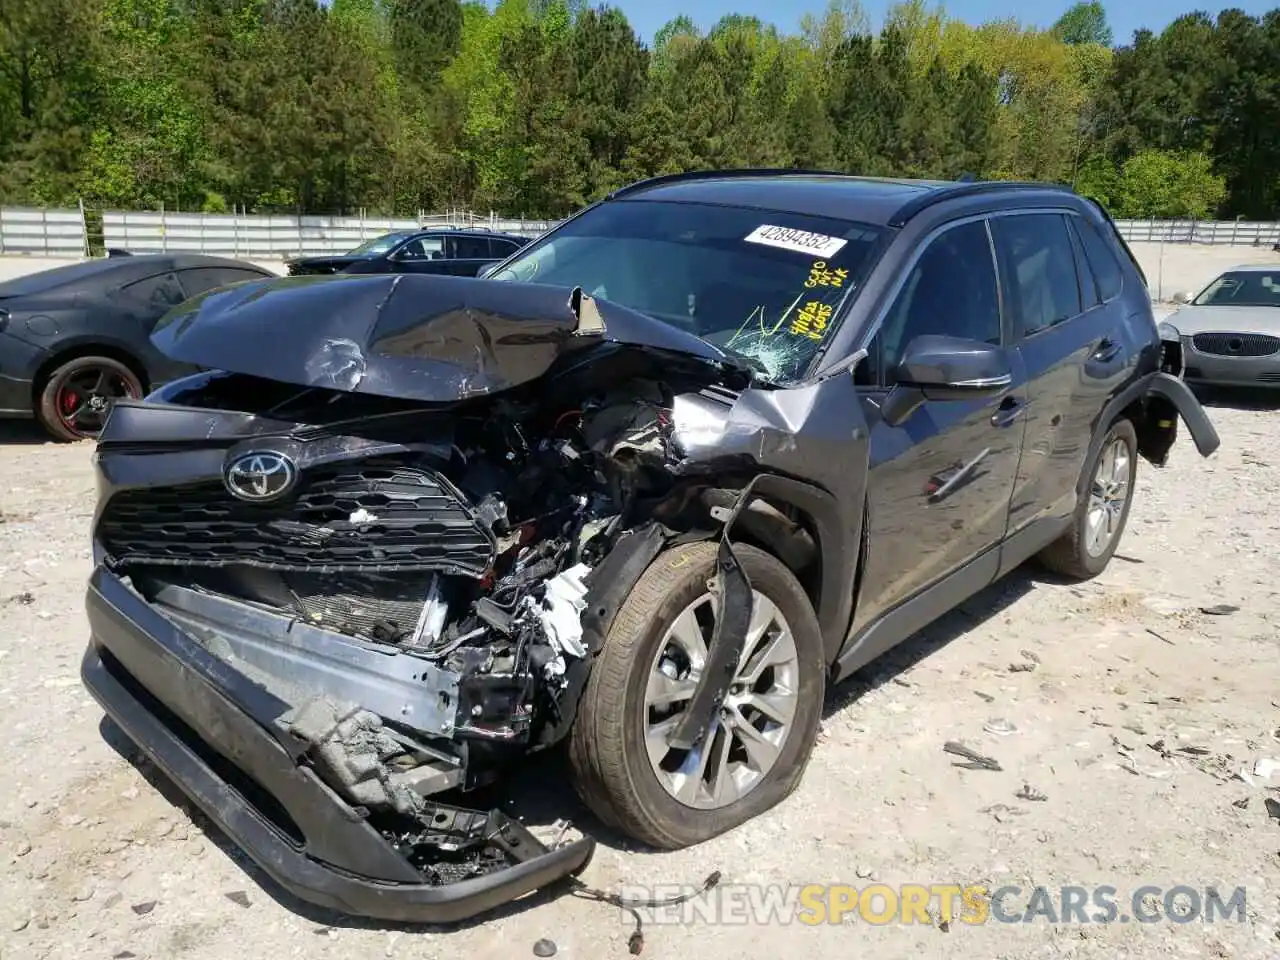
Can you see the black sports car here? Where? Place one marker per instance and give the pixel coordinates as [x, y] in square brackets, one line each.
[75, 338]
[458, 253]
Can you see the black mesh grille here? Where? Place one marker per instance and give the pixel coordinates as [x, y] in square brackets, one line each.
[421, 524]
[1237, 344]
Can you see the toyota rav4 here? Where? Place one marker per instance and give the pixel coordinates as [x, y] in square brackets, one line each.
[643, 492]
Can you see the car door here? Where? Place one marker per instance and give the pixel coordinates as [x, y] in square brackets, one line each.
[940, 481]
[1073, 349]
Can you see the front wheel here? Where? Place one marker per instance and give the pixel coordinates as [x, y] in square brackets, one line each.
[78, 395]
[1099, 521]
[755, 751]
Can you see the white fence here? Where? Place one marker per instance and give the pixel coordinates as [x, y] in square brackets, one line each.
[61, 233]
[1239, 233]
[42, 233]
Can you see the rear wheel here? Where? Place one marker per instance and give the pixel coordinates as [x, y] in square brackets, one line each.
[641, 685]
[78, 395]
[1100, 517]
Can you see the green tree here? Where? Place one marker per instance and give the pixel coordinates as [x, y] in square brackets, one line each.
[1169, 185]
[1084, 23]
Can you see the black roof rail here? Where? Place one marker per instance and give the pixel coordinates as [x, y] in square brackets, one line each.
[965, 188]
[714, 174]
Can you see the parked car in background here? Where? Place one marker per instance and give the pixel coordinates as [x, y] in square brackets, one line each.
[1230, 332]
[76, 338]
[697, 453]
[458, 253]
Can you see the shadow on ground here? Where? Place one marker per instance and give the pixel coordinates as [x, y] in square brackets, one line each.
[23, 432]
[1239, 398]
[544, 797]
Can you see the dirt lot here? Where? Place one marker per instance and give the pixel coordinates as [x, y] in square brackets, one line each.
[97, 862]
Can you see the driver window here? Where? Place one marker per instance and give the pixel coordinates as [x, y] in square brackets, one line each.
[951, 291]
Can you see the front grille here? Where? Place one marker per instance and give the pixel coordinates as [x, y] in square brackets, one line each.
[420, 523]
[1269, 378]
[1236, 344]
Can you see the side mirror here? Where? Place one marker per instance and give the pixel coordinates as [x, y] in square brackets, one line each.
[946, 368]
[1182, 297]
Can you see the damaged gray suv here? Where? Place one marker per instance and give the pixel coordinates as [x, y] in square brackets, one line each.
[643, 492]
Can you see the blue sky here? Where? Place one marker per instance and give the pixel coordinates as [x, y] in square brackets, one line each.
[1125, 16]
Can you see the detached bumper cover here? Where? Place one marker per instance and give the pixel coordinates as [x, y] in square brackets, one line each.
[208, 727]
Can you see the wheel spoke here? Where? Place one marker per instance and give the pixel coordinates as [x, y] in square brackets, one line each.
[721, 778]
[664, 691]
[687, 632]
[694, 769]
[776, 651]
[1095, 525]
[761, 752]
[100, 384]
[779, 707]
[655, 739]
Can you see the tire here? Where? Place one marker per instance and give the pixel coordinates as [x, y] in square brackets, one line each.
[76, 375]
[610, 764]
[1073, 555]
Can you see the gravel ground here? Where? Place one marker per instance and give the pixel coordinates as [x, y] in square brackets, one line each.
[100, 858]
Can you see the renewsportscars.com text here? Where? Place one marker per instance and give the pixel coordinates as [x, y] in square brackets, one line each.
[878, 903]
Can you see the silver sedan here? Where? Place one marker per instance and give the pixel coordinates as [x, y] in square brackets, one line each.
[1230, 331]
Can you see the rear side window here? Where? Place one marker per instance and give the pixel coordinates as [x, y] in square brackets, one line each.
[1103, 263]
[1038, 270]
[196, 281]
[468, 248]
[160, 292]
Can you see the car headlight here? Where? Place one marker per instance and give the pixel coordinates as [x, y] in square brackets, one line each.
[1168, 331]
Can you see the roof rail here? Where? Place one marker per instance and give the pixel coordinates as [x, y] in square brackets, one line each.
[714, 174]
[965, 188]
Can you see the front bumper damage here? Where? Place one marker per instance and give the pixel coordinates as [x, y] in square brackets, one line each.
[219, 735]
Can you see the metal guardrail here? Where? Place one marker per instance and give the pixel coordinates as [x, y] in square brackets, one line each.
[270, 237]
[62, 233]
[1241, 233]
[42, 233]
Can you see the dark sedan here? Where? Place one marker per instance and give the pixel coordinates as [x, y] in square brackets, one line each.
[73, 339]
[458, 253]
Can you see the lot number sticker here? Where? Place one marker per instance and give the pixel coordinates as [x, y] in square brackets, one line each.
[801, 241]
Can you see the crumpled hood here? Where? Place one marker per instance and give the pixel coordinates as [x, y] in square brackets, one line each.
[1192, 320]
[416, 337]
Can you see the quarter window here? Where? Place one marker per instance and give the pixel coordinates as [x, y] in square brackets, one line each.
[1039, 270]
[159, 292]
[1106, 269]
[1088, 288]
[951, 291]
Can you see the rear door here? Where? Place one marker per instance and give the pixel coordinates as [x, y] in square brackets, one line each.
[1073, 348]
[939, 486]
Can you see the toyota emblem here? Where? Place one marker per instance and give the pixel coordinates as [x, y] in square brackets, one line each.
[261, 476]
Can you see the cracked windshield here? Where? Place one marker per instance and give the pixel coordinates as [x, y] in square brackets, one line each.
[763, 286]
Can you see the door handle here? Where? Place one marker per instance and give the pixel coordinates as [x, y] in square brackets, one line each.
[1107, 350]
[1011, 408]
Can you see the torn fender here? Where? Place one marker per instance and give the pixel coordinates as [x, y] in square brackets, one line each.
[435, 339]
